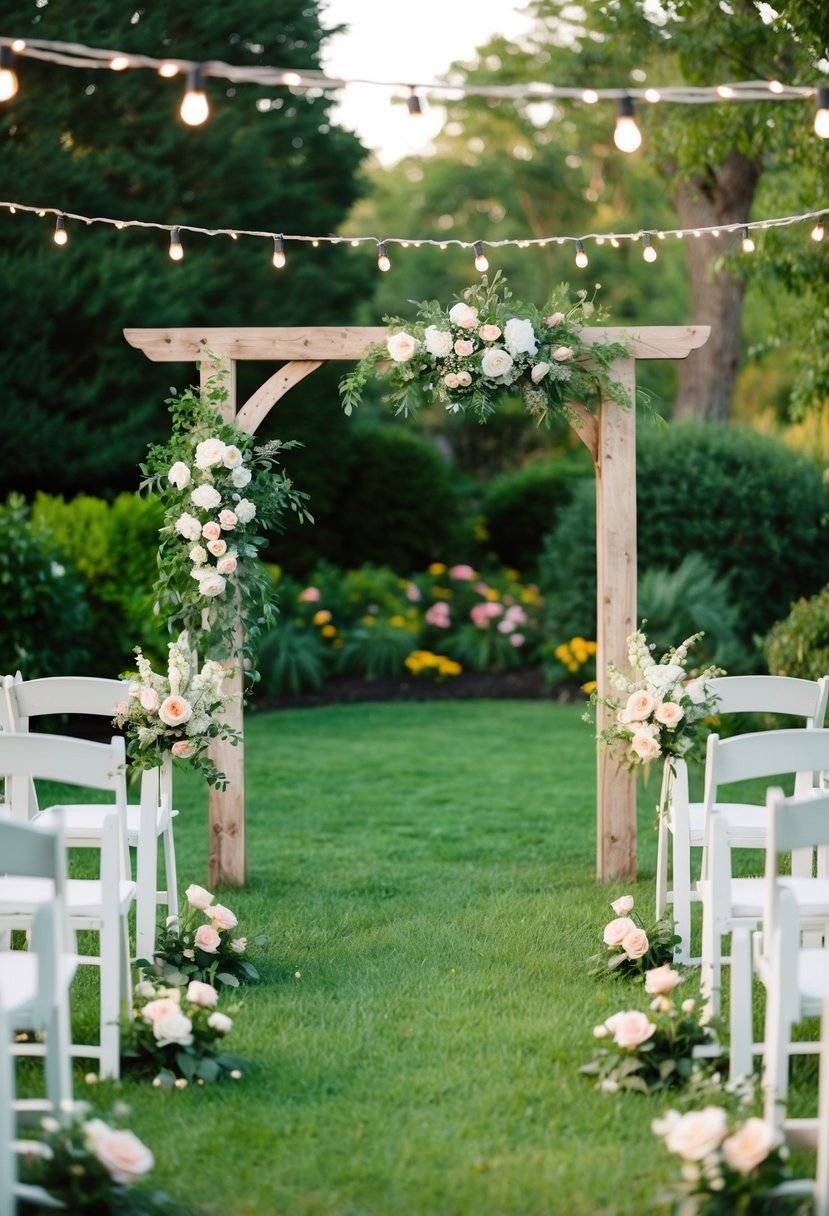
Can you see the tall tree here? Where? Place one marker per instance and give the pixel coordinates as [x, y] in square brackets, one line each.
[79, 404]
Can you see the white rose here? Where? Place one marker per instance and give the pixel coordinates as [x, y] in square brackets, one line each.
[539, 372]
[188, 527]
[179, 475]
[198, 555]
[149, 699]
[222, 917]
[174, 1028]
[697, 1133]
[227, 521]
[198, 897]
[750, 1145]
[212, 584]
[206, 496]
[245, 511]
[209, 453]
[662, 674]
[220, 1022]
[402, 346]
[463, 316]
[199, 993]
[496, 362]
[232, 457]
[519, 337]
[121, 1153]
[561, 353]
[438, 342]
[696, 691]
[240, 477]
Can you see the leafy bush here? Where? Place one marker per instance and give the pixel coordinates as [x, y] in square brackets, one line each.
[752, 509]
[690, 599]
[42, 601]
[520, 508]
[799, 644]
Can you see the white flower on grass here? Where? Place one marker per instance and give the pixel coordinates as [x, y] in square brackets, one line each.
[239, 944]
[200, 993]
[519, 337]
[463, 316]
[220, 1022]
[173, 1028]
[240, 477]
[206, 497]
[179, 475]
[402, 346]
[188, 526]
[245, 511]
[496, 362]
[209, 453]
[438, 342]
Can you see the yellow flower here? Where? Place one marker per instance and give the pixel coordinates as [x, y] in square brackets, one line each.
[322, 617]
[513, 575]
[589, 687]
[492, 594]
[592, 647]
[437, 568]
[442, 593]
[562, 652]
[398, 621]
[368, 620]
[329, 631]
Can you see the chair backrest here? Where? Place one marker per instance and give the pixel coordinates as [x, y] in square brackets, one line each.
[25, 699]
[763, 754]
[789, 695]
[36, 850]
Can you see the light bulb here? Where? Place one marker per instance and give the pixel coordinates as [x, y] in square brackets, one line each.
[627, 137]
[61, 235]
[278, 252]
[481, 263]
[194, 108]
[590, 97]
[648, 251]
[383, 262]
[413, 103]
[817, 232]
[168, 69]
[581, 256]
[748, 242]
[822, 113]
[8, 76]
[176, 247]
[119, 63]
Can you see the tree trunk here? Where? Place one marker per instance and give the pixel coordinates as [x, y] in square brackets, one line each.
[705, 380]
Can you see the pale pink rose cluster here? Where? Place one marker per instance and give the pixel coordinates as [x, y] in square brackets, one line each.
[438, 615]
[623, 932]
[703, 1136]
[630, 1028]
[120, 1152]
[207, 937]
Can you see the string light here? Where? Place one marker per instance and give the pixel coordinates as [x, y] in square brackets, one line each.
[627, 137]
[648, 251]
[168, 69]
[176, 247]
[119, 63]
[817, 232]
[61, 235]
[383, 261]
[413, 103]
[481, 261]
[278, 252]
[8, 76]
[822, 113]
[194, 108]
[581, 256]
[748, 243]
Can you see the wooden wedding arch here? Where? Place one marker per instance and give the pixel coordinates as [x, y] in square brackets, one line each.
[609, 436]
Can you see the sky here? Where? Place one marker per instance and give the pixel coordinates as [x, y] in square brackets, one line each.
[403, 40]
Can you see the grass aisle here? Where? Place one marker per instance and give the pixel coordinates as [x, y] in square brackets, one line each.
[427, 870]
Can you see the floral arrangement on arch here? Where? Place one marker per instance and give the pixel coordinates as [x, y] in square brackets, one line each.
[177, 1033]
[221, 493]
[631, 949]
[662, 705]
[178, 713]
[488, 346]
[651, 1051]
[201, 945]
[88, 1164]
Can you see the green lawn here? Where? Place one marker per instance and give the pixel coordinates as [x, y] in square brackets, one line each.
[425, 876]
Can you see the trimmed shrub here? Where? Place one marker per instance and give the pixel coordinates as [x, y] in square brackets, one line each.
[799, 644]
[520, 508]
[753, 509]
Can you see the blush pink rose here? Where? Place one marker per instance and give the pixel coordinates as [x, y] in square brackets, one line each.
[217, 547]
[198, 897]
[696, 1134]
[750, 1145]
[182, 748]
[148, 698]
[622, 905]
[669, 713]
[227, 521]
[207, 939]
[119, 1151]
[639, 706]
[661, 980]
[175, 711]
[616, 930]
[635, 943]
[563, 353]
[630, 1028]
[554, 319]
[464, 379]
[222, 917]
[211, 530]
[644, 746]
[463, 347]
[451, 380]
[490, 333]
[202, 994]
[227, 564]
[162, 1007]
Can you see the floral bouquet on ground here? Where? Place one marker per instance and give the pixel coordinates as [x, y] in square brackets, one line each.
[729, 1165]
[652, 1052]
[633, 950]
[201, 946]
[178, 1033]
[662, 705]
[177, 713]
[89, 1165]
[488, 346]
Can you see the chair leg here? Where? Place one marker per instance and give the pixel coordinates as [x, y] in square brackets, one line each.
[741, 1024]
[661, 866]
[112, 966]
[822, 1179]
[8, 1161]
[775, 1058]
[146, 870]
[171, 877]
[681, 856]
[710, 981]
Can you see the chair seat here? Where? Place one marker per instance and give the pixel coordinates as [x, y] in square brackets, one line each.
[82, 822]
[811, 896]
[19, 975]
[746, 823]
[21, 896]
[813, 979]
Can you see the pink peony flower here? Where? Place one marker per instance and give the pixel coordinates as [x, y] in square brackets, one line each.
[310, 595]
[413, 593]
[438, 615]
[517, 639]
[463, 573]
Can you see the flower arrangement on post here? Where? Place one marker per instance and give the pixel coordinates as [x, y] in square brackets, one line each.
[649, 1052]
[221, 493]
[177, 713]
[178, 1033]
[632, 950]
[89, 1165]
[488, 346]
[662, 705]
[201, 946]
[729, 1165]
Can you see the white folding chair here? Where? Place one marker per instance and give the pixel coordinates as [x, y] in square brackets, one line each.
[34, 995]
[735, 905]
[150, 818]
[101, 904]
[682, 822]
